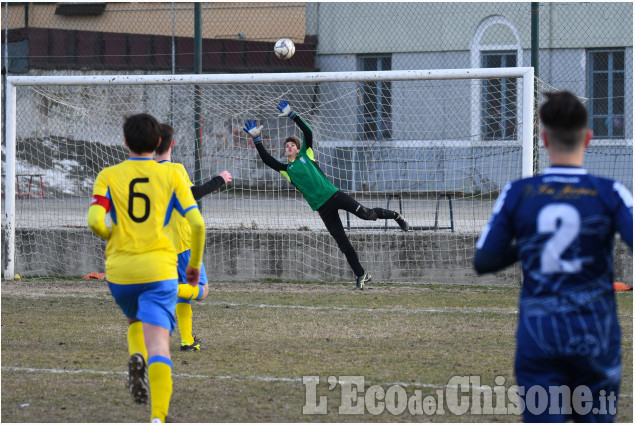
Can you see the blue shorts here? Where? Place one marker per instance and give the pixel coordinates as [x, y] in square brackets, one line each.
[184, 260]
[152, 303]
[574, 350]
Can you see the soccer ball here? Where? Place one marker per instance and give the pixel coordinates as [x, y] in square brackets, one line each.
[284, 48]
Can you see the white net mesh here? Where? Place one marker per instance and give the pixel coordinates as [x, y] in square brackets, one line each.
[606, 157]
[437, 151]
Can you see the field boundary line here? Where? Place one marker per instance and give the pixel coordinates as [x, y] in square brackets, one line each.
[477, 310]
[369, 309]
[239, 378]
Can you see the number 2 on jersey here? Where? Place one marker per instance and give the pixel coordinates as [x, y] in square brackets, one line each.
[142, 196]
[563, 221]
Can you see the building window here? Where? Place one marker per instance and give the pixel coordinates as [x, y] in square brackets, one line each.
[80, 8]
[606, 92]
[499, 99]
[376, 107]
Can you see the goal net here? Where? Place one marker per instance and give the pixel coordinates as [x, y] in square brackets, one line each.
[436, 146]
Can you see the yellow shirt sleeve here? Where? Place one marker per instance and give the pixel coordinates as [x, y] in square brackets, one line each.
[189, 210]
[197, 225]
[97, 213]
[96, 216]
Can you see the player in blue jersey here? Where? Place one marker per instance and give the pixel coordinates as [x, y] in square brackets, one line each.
[561, 226]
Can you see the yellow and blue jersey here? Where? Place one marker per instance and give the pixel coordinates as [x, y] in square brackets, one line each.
[178, 227]
[141, 197]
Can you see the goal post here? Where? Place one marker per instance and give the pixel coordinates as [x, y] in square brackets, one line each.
[85, 108]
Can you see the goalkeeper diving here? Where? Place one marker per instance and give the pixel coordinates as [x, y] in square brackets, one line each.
[323, 196]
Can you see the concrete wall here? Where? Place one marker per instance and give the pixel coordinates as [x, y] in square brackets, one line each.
[420, 257]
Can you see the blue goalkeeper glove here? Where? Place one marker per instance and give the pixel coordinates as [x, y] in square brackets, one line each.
[254, 131]
[285, 109]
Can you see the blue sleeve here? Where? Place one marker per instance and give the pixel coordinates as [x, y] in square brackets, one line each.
[498, 232]
[624, 213]
[494, 249]
[487, 262]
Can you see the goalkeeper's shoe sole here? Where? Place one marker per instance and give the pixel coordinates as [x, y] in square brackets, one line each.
[138, 379]
[402, 223]
[362, 281]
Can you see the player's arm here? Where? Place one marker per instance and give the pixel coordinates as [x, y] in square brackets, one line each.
[186, 206]
[624, 213]
[193, 269]
[494, 248]
[212, 185]
[96, 217]
[489, 262]
[99, 206]
[285, 111]
[195, 219]
[254, 131]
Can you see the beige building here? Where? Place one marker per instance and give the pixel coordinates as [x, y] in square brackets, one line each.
[252, 21]
[153, 37]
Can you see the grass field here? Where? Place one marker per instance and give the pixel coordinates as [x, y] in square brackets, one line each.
[64, 350]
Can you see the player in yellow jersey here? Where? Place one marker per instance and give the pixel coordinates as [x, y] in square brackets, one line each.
[181, 238]
[141, 196]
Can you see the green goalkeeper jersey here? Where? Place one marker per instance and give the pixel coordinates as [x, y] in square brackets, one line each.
[303, 172]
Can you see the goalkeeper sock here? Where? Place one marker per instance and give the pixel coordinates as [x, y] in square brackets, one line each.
[184, 316]
[187, 291]
[136, 342]
[383, 213]
[160, 377]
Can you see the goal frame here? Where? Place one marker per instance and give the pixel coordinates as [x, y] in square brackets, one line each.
[525, 109]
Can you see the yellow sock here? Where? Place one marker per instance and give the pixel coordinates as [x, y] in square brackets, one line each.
[136, 343]
[187, 291]
[160, 378]
[184, 316]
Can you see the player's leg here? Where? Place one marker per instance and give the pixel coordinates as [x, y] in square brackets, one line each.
[186, 293]
[601, 373]
[126, 296]
[156, 311]
[348, 203]
[189, 341]
[185, 290]
[329, 214]
[137, 362]
[136, 341]
[536, 375]
[159, 369]
[204, 287]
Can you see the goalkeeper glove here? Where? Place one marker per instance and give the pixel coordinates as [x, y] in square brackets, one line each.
[285, 109]
[253, 130]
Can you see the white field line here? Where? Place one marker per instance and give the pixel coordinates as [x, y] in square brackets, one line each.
[241, 378]
[380, 309]
[305, 307]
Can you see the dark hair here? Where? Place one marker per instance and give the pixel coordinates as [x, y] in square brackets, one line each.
[167, 135]
[565, 119]
[293, 139]
[142, 133]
